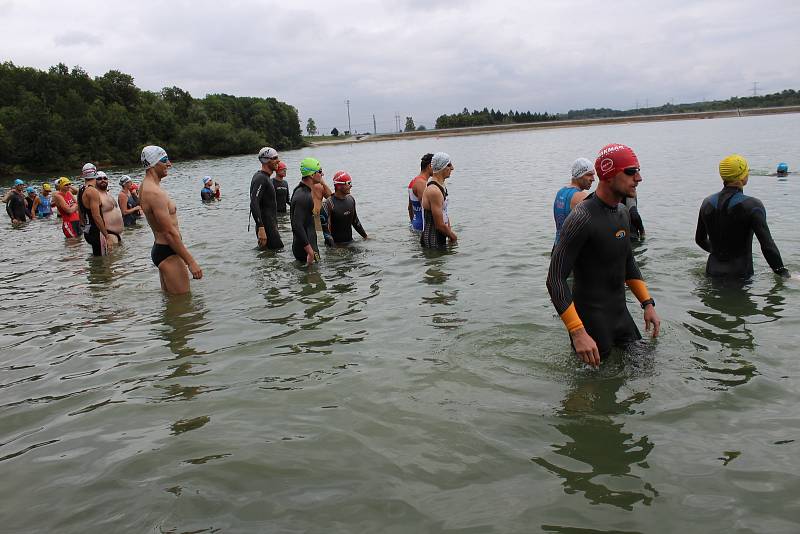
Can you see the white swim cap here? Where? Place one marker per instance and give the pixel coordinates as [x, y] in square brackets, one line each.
[89, 172]
[581, 166]
[267, 153]
[151, 154]
[439, 161]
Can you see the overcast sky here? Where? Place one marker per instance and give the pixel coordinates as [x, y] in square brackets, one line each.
[420, 58]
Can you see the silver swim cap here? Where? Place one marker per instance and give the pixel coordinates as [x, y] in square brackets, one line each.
[439, 161]
[580, 167]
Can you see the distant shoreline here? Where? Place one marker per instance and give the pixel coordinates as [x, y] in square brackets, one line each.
[497, 128]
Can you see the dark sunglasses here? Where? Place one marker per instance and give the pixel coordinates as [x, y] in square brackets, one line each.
[274, 158]
[631, 171]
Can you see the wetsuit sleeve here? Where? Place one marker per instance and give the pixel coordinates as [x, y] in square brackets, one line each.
[357, 223]
[324, 220]
[574, 233]
[256, 194]
[300, 211]
[768, 246]
[636, 220]
[701, 234]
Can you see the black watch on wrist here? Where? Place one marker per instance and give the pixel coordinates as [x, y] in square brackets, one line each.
[648, 301]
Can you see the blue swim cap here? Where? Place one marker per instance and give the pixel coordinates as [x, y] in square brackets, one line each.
[783, 167]
[30, 189]
[18, 182]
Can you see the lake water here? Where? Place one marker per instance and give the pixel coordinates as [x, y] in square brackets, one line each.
[391, 390]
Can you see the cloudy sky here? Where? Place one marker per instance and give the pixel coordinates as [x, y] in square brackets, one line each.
[420, 58]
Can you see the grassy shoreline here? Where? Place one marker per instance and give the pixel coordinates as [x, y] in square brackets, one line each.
[498, 128]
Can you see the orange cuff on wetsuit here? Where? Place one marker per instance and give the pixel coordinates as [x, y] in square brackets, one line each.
[639, 288]
[571, 319]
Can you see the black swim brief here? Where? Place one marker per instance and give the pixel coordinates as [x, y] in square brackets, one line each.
[160, 252]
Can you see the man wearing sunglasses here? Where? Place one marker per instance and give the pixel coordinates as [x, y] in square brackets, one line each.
[90, 204]
[594, 245]
[169, 253]
[263, 205]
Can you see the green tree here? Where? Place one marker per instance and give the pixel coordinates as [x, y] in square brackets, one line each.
[410, 125]
[335, 132]
[311, 127]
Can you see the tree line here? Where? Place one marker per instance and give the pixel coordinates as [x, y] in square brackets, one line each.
[63, 118]
[788, 97]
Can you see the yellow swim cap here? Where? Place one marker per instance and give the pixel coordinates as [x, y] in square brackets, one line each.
[733, 168]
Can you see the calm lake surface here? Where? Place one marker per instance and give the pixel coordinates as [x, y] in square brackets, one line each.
[391, 390]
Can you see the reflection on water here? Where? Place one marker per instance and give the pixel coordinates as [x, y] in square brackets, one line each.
[731, 310]
[436, 275]
[593, 420]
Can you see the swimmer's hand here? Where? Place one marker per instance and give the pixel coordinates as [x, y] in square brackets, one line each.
[453, 237]
[262, 237]
[310, 255]
[652, 318]
[109, 245]
[197, 272]
[329, 241]
[585, 347]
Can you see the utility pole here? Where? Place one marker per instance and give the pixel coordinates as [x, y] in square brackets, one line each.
[374, 125]
[349, 128]
[755, 88]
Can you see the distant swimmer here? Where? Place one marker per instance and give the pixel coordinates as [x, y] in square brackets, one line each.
[435, 219]
[42, 205]
[169, 253]
[103, 220]
[67, 206]
[301, 213]
[416, 188]
[576, 191]
[262, 201]
[15, 202]
[339, 213]
[594, 246]
[727, 222]
[128, 202]
[782, 170]
[210, 191]
[281, 188]
[30, 199]
[637, 225]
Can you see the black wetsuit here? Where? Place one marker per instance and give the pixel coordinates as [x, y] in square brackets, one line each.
[340, 214]
[281, 194]
[29, 207]
[263, 208]
[594, 246]
[301, 209]
[725, 228]
[431, 237]
[206, 194]
[637, 226]
[15, 207]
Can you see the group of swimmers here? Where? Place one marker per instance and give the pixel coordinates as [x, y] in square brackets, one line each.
[593, 235]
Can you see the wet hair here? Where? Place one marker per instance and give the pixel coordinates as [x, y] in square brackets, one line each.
[426, 160]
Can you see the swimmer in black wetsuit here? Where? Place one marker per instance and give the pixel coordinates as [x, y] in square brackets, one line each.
[301, 213]
[281, 186]
[727, 222]
[338, 215]
[435, 219]
[262, 201]
[594, 246]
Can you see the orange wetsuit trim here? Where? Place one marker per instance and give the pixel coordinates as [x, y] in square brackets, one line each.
[639, 288]
[571, 319]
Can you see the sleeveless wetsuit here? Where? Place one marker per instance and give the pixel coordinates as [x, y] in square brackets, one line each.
[281, 194]
[206, 194]
[70, 222]
[340, 215]
[264, 209]
[431, 237]
[561, 206]
[594, 246]
[725, 228]
[416, 207]
[301, 211]
[131, 218]
[44, 209]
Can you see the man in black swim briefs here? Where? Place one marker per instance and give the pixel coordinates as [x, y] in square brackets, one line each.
[263, 205]
[169, 253]
[727, 222]
[595, 247]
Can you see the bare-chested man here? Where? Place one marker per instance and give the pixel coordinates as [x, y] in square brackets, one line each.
[169, 253]
[319, 192]
[95, 204]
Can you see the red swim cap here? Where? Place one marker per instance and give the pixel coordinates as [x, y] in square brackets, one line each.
[613, 159]
[281, 166]
[341, 177]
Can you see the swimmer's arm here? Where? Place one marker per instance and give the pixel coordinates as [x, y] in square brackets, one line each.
[298, 214]
[768, 246]
[94, 207]
[7, 195]
[701, 235]
[122, 200]
[61, 203]
[636, 220]
[326, 191]
[169, 230]
[436, 200]
[325, 222]
[36, 202]
[577, 198]
[256, 194]
[410, 210]
[573, 235]
[357, 223]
